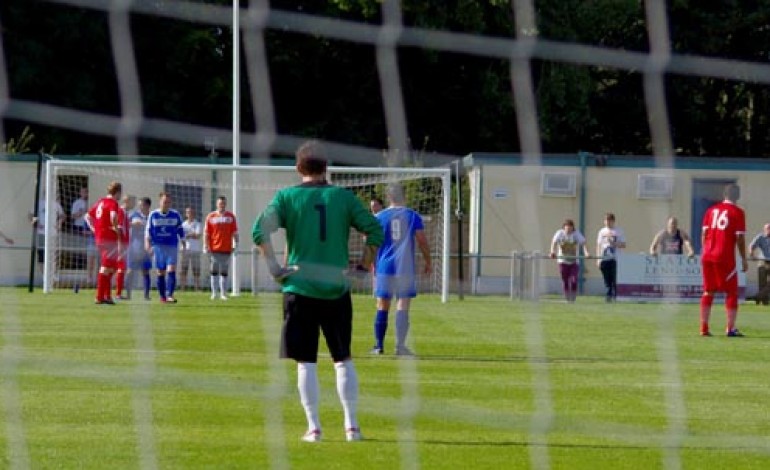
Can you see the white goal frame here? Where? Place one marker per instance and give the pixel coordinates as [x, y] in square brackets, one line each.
[54, 166]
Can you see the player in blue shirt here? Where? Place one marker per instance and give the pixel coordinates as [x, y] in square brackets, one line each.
[395, 267]
[161, 237]
[138, 258]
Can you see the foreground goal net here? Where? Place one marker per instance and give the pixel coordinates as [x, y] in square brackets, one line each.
[69, 254]
[533, 385]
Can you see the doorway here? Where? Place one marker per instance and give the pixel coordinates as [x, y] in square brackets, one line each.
[705, 193]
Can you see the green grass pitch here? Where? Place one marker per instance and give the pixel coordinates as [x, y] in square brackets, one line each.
[497, 384]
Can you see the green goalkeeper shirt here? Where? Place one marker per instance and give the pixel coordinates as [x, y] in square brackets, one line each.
[317, 218]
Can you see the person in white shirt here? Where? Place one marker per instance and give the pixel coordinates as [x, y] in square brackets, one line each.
[39, 222]
[566, 245]
[80, 228]
[609, 241]
[191, 248]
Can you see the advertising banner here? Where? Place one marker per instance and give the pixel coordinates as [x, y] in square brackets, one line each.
[669, 278]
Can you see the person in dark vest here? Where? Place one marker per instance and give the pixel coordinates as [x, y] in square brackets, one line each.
[672, 240]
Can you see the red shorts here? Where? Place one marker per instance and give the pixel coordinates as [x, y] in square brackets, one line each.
[720, 277]
[109, 254]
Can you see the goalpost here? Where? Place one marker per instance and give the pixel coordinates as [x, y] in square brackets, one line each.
[68, 254]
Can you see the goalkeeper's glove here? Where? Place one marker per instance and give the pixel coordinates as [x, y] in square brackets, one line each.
[280, 273]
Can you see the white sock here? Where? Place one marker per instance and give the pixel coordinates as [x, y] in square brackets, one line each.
[402, 328]
[307, 383]
[347, 389]
[222, 284]
[213, 284]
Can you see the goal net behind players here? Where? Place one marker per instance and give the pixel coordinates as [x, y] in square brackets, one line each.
[248, 190]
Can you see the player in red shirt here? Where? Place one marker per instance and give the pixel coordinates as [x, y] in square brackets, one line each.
[724, 229]
[127, 204]
[103, 219]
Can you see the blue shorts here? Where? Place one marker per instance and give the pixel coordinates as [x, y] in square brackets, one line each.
[387, 286]
[165, 256]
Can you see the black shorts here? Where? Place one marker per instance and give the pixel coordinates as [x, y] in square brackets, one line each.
[303, 319]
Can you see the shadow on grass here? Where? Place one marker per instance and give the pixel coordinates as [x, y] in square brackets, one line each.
[511, 359]
[513, 443]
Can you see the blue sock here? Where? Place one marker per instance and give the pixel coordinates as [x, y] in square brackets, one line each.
[171, 283]
[146, 279]
[380, 327]
[162, 286]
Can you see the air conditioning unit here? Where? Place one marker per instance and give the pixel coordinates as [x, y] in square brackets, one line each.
[558, 184]
[655, 187]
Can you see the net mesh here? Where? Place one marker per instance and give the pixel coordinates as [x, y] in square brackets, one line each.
[134, 123]
[71, 261]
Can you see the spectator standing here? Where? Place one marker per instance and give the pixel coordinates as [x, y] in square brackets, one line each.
[80, 229]
[609, 241]
[672, 240]
[317, 218]
[190, 255]
[567, 243]
[723, 230]
[38, 222]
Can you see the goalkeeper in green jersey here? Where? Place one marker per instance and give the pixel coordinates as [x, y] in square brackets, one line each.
[317, 217]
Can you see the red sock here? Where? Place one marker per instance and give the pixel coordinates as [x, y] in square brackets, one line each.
[103, 286]
[731, 306]
[108, 286]
[705, 311]
[99, 287]
[120, 282]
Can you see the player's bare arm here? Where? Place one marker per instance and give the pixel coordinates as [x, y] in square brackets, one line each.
[370, 252]
[422, 242]
[89, 222]
[740, 241]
